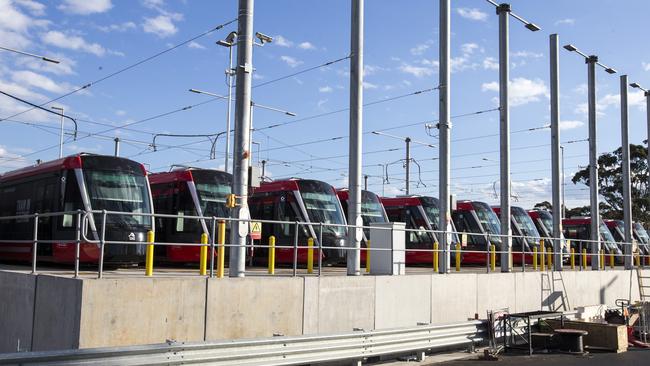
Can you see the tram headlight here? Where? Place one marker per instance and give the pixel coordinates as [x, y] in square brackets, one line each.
[140, 237]
[341, 242]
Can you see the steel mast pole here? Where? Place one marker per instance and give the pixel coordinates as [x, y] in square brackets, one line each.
[593, 163]
[555, 151]
[355, 148]
[408, 165]
[647, 110]
[241, 156]
[117, 146]
[503, 10]
[228, 108]
[627, 199]
[444, 127]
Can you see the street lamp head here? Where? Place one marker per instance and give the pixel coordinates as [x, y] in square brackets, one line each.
[635, 85]
[195, 91]
[50, 60]
[224, 43]
[533, 27]
[570, 47]
[375, 133]
[263, 38]
[609, 70]
[231, 37]
[290, 114]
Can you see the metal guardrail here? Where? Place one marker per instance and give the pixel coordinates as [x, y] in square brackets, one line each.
[281, 350]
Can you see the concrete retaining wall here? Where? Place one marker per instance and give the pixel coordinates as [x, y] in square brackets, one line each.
[47, 312]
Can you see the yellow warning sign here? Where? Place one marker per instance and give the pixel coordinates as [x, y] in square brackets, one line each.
[256, 230]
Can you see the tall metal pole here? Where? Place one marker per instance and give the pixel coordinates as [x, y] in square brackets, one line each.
[117, 146]
[356, 127]
[365, 182]
[241, 156]
[60, 132]
[263, 169]
[593, 163]
[408, 165]
[627, 199]
[556, 174]
[444, 127]
[503, 10]
[647, 110]
[250, 138]
[228, 108]
[563, 183]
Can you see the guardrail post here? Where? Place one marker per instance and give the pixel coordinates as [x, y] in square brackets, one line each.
[77, 249]
[295, 251]
[457, 257]
[542, 256]
[368, 256]
[493, 257]
[271, 260]
[573, 258]
[102, 244]
[584, 258]
[148, 267]
[221, 254]
[535, 258]
[310, 255]
[203, 255]
[35, 243]
[435, 257]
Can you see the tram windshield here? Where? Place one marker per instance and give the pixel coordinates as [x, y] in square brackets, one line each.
[322, 205]
[371, 209]
[488, 219]
[640, 231]
[119, 191]
[431, 208]
[212, 187]
[526, 225]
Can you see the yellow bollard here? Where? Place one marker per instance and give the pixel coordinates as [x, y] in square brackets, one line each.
[611, 261]
[271, 254]
[637, 259]
[148, 262]
[573, 258]
[584, 258]
[203, 255]
[549, 259]
[602, 259]
[493, 257]
[310, 255]
[542, 256]
[435, 257]
[368, 256]
[535, 258]
[221, 251]
[458, 257]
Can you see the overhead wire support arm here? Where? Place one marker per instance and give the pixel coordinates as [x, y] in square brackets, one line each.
[43, 109]
[208, 136]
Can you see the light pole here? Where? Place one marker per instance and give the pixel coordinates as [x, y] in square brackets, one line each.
[60, 109]
[591, 62]
[47, 59]
[230, 43]
[407, 160]
[563, 183]
[444, 133]
[556, 174]
[504, 12]
[627, 196]
[646, 93]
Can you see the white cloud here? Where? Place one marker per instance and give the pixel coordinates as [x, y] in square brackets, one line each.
[152, 4]
[85, 7]
[39, 81]
[162, 26]
[64, 67]
[121, 27]
[306, 46]
[291, 61]
[527, 54]
[469, 47]
[472, 13]
[419, 49]
[321, 103]
[281, 41]
[522, 90]
[325, 89]
[646, 66]
[12, 19]
[34, 7]
[567, 21]
[367, 85]
[490, 63]
[59, 39]
[196, 45]
[568, 125]
[417, 71]
[372, 69]
[120, 113]
[581, 88]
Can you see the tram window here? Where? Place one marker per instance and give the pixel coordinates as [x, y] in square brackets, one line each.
[71, 199]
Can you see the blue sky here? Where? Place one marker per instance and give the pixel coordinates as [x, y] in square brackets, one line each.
[94, 38]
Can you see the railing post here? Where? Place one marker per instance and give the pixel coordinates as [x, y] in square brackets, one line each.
[320, 248]
[221, 255]
[549, 259]
[213, 239]
[148, 267]
[493, 257]
[35, 243]
[637, 260]
[584, 259]
[535, 258]
[368, 257]
[77, 249]
[295, 251]
[573, 258]
[435, 258]
[203, 255]
[102, 242]
[271, 260]
[310, 255]
[542, 263]
[602, 259]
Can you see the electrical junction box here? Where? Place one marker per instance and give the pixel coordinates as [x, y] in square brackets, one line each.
[387, 248]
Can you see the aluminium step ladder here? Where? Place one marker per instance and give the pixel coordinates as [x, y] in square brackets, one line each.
[643, 278]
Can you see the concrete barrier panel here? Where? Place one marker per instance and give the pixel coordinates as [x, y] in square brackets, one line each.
[254, 307]
[402, 301]
[453, 297]
[495, 291]
[141, 310]
[343, 302]
[528, 291]
[16, 311]
[618, 284]
[57, 313]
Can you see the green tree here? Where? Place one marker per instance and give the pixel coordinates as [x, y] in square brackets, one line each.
[610, 183]
[545, 205]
